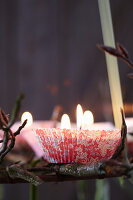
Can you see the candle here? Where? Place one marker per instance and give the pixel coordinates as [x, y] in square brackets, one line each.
[66, 145]
[27, 132]
[79, 112]
[88, 120]
[84, 120]
[28, 116]
[65, 122]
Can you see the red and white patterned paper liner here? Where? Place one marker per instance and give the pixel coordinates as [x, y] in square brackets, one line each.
[77, 146]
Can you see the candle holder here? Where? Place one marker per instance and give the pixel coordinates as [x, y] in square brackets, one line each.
[77, 146]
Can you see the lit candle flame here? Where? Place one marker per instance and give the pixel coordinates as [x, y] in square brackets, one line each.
[28, 116]
[79, 116]
[88, 120]
[65, 122]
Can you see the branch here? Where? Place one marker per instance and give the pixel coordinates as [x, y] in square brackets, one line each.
[16, 171]
[123, 144]
[64, 172]
[16, 110]
[5, 125]
[119, 52]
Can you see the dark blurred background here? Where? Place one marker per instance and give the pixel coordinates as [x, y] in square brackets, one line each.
[48, 51]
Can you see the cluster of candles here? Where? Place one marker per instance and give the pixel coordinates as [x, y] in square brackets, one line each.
[83, 141]
[82, 144]
[85, 120]
[84, 131]
[72, 133]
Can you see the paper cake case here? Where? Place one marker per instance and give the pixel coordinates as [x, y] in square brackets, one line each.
[77, 146]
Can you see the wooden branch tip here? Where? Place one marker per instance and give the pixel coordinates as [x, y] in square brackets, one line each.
[8, 140]
[119, 52]
[15, 110]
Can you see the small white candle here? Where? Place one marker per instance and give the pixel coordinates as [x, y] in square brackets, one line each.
[79, 115]
[88, 120]
[84, 120]
[28, 116]
[65, 122]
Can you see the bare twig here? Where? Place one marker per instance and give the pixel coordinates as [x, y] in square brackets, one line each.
[5, 125]
[3, 119]
[5, 142]
[119, 52]
[15, 110]
[20, 128]
[16, 171]
[121, 147]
